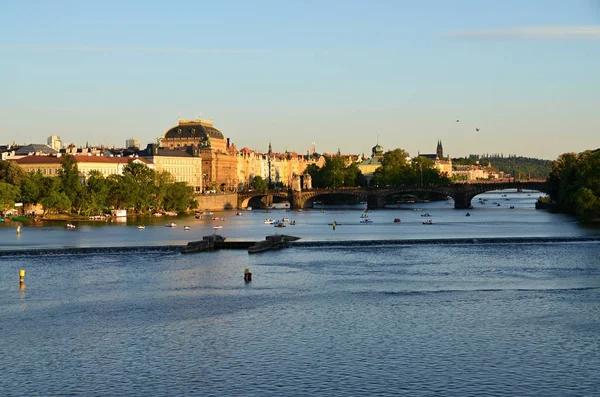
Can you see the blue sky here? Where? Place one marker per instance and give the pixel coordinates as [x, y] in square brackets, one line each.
[342, 74]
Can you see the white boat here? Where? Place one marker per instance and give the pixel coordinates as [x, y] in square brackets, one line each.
[207, 213]
[157, 214]
[218, 227]
[366, 221]
[429, 222]
[70, 226]
[269, 221]
[170, 213]
[248, 208]
[186, 228]
[171, 225]
[285, 219]
[141, 227]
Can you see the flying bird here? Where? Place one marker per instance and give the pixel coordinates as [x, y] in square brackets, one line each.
[476, 129]
[457, 121]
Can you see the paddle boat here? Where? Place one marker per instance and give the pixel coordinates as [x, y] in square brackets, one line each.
[70, 226]
[428, 222]
[269, 221]
[141, 227]
[218, 227]
[186, 228]
[396, 220]
[171, 225]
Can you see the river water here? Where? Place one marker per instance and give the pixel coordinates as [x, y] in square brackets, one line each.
[505, 302]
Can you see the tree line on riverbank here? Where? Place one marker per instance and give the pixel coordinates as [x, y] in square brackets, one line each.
[139, 188]
[574, 184]
[395, 170]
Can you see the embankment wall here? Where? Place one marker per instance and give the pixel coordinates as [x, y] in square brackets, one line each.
[217, 202]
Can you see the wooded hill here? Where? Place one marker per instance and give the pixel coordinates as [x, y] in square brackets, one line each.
[521, 167]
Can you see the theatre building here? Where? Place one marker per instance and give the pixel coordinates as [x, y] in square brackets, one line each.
[219, 160]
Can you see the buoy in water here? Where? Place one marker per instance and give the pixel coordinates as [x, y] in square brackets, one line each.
[247, 276]
[22, 279]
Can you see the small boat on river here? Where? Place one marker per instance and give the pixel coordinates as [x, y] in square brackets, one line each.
[171, 224]
[141, 227]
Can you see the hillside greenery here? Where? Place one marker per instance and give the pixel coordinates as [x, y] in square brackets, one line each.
[520, 167]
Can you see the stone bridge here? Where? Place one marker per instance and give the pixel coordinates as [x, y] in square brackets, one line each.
[462, 193]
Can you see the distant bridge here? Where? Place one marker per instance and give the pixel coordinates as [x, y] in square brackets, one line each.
[462, 193]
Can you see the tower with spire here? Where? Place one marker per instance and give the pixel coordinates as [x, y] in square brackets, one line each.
[439, 151]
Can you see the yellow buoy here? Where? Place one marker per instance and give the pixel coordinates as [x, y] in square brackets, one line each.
[22, 279]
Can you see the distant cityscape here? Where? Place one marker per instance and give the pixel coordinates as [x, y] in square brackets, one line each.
[197, 153]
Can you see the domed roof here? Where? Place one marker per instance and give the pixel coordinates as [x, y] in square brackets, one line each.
[194, 129]
[377, 149]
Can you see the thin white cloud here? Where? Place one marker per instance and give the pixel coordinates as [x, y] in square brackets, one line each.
[583, 32]
[53, 47]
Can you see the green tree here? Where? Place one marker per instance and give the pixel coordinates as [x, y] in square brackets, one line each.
[335, 173]
[56, 201]
[11, 172]
[179, 197]
[260, 184]
[32, 188]
[162, 180]
[142, 186]
[120, 194]
[8, 195]
[395, 169]
[95, 193]
[574, 184]
[70, 183]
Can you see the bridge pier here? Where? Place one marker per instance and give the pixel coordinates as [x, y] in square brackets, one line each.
[296, 201]
[461, 201]
[375, 201]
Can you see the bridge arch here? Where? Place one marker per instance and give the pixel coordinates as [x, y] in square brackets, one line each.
[302, 198]
[464, 193]
[244, 198]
